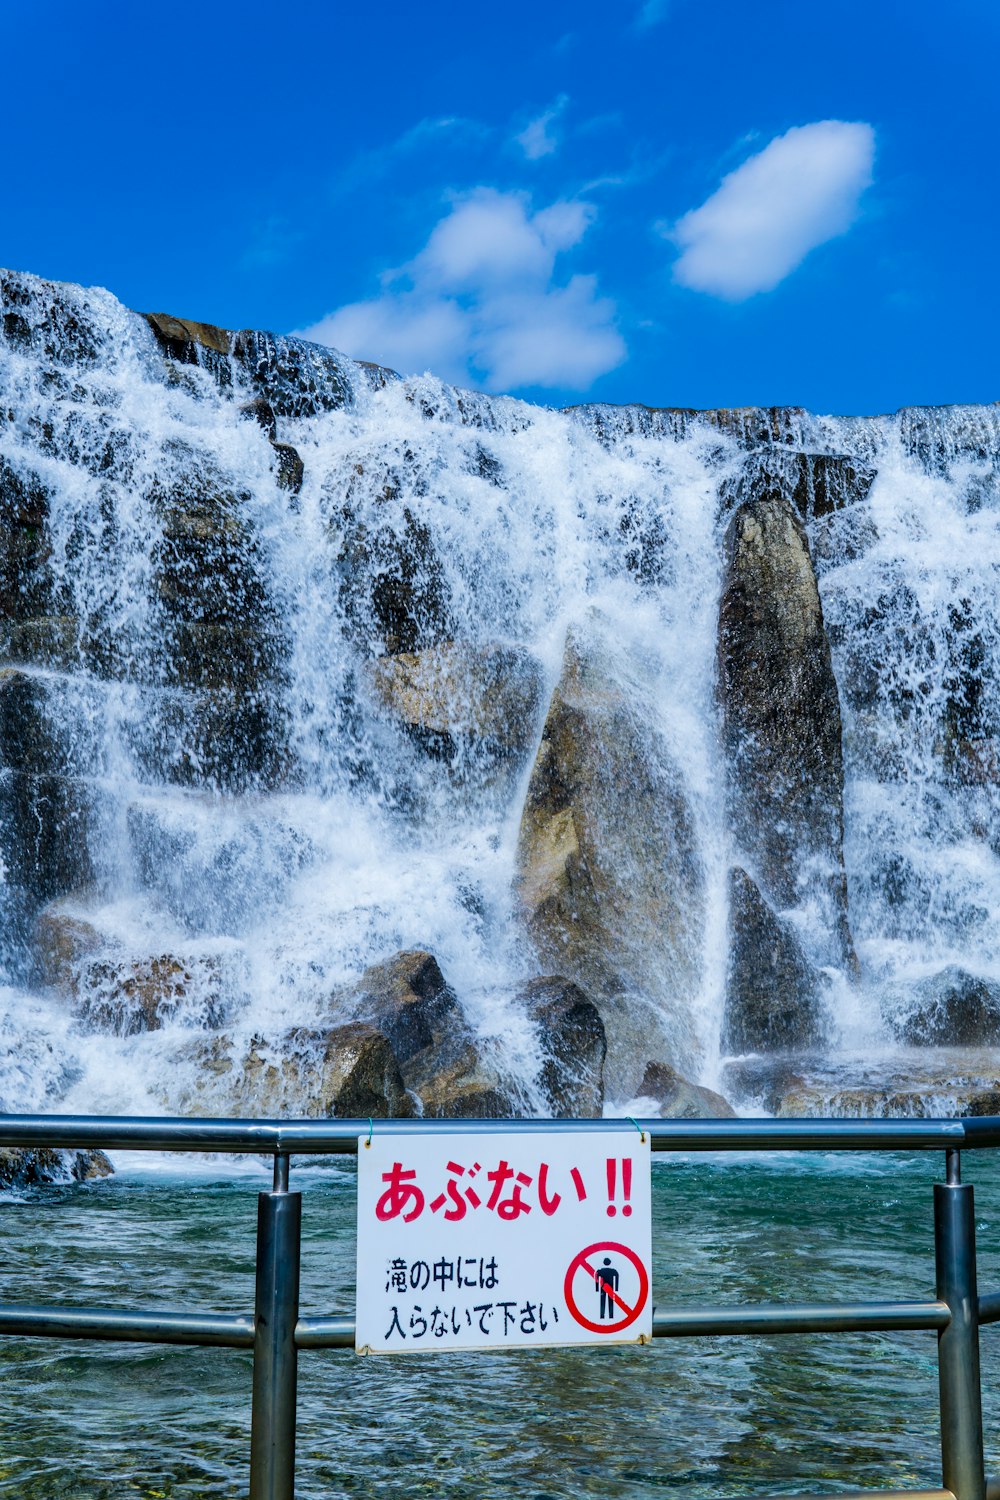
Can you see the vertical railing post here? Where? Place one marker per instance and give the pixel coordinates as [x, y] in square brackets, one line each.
[275, 1358]
[958, 1344]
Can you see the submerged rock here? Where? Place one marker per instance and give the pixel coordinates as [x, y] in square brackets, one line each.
[116, 990]
[952, 1009]
[678, 1098]
[608, 876]
[574, 1046]
[773, 994]
[41, 1165]
[781, 715]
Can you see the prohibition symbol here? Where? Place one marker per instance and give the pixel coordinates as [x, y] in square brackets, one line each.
[596, 1276]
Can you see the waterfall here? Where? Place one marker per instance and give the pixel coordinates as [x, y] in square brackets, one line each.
[282, 635]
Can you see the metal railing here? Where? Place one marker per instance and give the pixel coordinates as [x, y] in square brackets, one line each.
[275, 1331]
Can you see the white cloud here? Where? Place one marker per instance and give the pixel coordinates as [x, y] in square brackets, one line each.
[482, 302]
[800, 191]
[537, 138]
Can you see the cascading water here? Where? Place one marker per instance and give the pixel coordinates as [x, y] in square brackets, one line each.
[271, 708]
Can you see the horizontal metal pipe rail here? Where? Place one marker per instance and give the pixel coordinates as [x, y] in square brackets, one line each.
[275, 1331]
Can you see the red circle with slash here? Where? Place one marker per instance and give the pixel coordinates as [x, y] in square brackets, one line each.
[582, 1262]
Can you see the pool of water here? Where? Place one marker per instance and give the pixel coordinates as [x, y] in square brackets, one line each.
[707, 1417]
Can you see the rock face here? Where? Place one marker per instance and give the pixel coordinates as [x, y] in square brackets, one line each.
[953, 1009]
[574, 1047]
[781, 715]
[773, 995]
[393, 590]
[678, 1098]
[608, 880]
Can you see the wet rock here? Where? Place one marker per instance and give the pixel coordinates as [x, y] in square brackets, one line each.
[773, 995]
[455, 694]
[291, 469]
[224, 740]
[921, 1083]
[26, 584]
[678, 1098]
[262, 412]
[407, 999]
[296, 378]
[454, 1080]
[44, 823]
[764, 1081]
[952, 1009]
[64, 938]
[128, 995]
[608, 880]
[573, 1043]
[781, 716]
[349, 1071]
[27, 742]
[48, 641]
[393, 590]
[40, 1166]
[817, 484]
[181, 338]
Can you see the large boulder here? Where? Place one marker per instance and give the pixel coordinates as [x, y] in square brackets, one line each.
[678, 1098]
[951, 1009]
[781, 715]
[573, 1045]
[773, 994]
[608, 879]
[456, 699]
[407, 998]
[455, 1079]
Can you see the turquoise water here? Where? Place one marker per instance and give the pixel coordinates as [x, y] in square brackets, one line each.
[706, 1417]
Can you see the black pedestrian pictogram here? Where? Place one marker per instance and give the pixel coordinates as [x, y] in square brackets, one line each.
[606, 1280]
[594, 1268]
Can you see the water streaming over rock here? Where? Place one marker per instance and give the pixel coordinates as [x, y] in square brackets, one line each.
[306, 667]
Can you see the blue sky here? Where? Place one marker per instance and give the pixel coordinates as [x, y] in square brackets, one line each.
[660, 200]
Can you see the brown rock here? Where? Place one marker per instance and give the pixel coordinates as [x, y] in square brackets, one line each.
[680, 1099]
[407, 999]
[454, 1081]
[261, 411]
[454, 692]
[64, 938]
[349, 1071]
[608, 881]
[291, 469]
[129, 995]
[180, 336]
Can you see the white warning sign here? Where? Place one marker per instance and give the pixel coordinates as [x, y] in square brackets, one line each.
[501, 1241]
